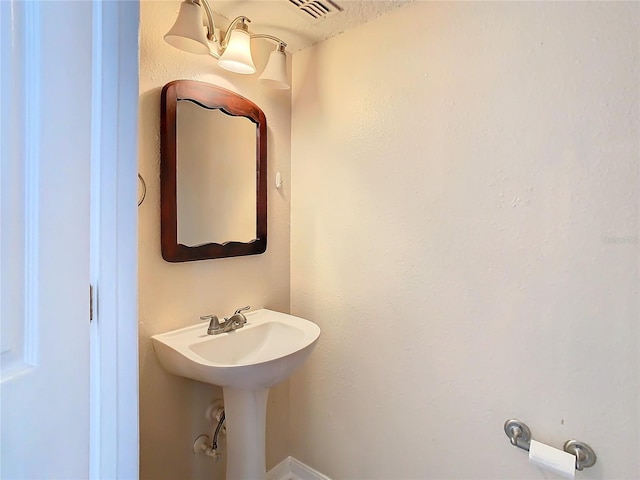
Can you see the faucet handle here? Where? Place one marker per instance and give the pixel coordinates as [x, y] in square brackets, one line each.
[238, 318]
[208, 317]
[242, 309]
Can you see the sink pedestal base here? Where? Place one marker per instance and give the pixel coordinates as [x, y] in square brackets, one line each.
[246, 416]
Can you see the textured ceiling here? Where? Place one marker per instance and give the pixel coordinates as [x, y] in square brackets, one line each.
[281, 19]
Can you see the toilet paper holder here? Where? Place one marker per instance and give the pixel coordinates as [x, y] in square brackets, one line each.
[520, 436]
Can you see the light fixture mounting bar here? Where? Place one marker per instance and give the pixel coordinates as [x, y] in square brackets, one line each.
[281, 45]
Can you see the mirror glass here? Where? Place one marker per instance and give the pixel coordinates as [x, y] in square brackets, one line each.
[213, 171]
[216, 186]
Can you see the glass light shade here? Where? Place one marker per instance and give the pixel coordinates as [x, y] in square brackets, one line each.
[275, 73]
[187, 33]
[237, 56]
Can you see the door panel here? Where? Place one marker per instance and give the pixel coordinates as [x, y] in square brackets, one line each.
[45, 225]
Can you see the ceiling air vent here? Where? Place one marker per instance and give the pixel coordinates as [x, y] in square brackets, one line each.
[316, 10]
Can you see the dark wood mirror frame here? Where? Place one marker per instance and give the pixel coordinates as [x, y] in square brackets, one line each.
[210, 97]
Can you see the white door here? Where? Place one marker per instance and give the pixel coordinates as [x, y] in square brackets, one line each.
[44, 295]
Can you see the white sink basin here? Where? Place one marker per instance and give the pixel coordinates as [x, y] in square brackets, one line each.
[259, 355]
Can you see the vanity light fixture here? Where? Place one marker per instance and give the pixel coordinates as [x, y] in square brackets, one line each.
[234, 50]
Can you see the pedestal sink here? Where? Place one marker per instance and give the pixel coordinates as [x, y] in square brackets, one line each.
[245, 363]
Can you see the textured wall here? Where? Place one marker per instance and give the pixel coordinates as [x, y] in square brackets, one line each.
[175, 295]
[465, 233]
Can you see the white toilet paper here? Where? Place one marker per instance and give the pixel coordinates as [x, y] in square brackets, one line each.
[552, 459]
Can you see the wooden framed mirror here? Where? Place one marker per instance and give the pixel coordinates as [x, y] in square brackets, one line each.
[213, 173]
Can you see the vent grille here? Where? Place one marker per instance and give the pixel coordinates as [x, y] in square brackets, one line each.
[316, 10]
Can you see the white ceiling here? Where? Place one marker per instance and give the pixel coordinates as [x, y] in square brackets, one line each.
[283, 20]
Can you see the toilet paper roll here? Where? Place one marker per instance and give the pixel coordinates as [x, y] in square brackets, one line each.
[552, 459]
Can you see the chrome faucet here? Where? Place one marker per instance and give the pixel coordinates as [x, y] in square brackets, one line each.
[236, 321]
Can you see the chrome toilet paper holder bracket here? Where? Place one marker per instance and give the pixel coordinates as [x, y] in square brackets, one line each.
[520, 436]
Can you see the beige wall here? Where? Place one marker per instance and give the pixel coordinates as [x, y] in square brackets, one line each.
[465, 233]
[175, 295]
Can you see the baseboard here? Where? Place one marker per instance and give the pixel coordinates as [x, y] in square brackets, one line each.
[293, 469]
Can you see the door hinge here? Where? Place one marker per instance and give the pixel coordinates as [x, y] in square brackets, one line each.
[91, 303]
